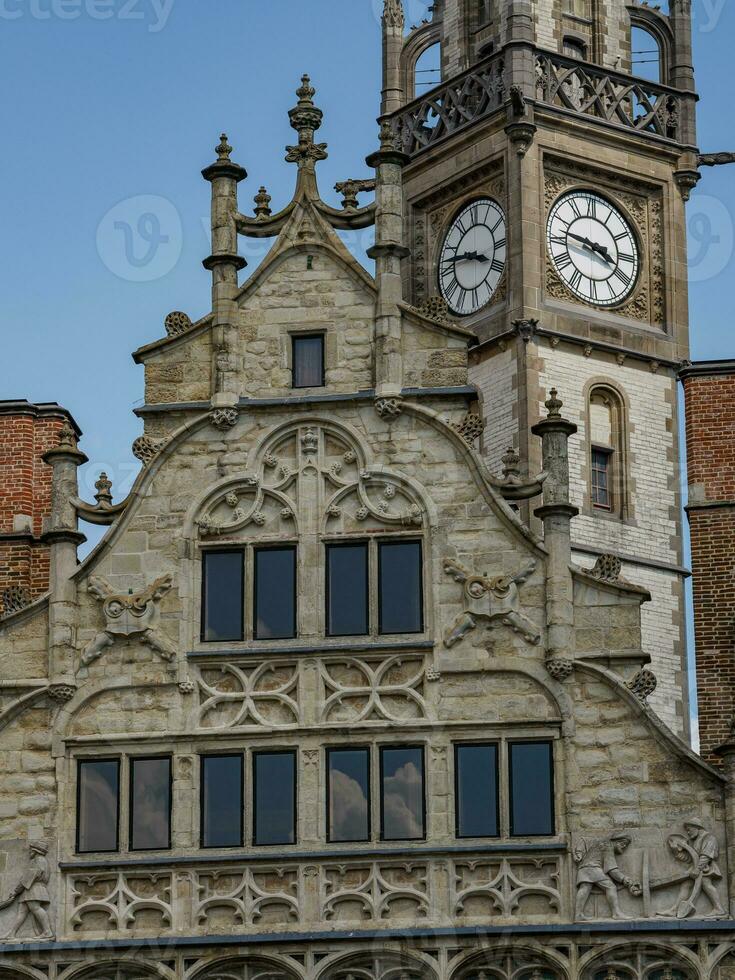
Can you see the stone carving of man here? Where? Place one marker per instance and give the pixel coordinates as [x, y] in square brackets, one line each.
[31, 894]
[598, 869]
[700, 850]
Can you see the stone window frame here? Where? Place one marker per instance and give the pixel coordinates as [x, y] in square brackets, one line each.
[621, 509]
[503, 742]
[124, 758]
[658, 26]
[417, 44]
[328, 355]
[247, 549]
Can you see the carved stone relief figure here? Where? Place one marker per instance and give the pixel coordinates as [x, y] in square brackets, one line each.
[135, 614]
[699, 849]
[598, 870]
[32, 896]
[495, 600]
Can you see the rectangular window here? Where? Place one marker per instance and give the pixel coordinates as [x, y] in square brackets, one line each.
[349, 795]
[400, 589]
[150, 804]
[222, 801]
[347, 589]
[222, 596]
[275, 593]
[601, 496]
[531, 789]
[307, 358]
[98, 805]
[402, 801]
[274, 779]
[476, 782]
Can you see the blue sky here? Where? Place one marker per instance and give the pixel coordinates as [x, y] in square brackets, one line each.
[110, 110]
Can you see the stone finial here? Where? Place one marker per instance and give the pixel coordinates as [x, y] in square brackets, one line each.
[394, 14]
[262, 204]
[103, 486]
[554, 405]
[349, 189]
[223, 149]
[511, 463]
[306, 119]
[67, 437]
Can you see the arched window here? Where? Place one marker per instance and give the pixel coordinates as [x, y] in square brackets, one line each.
[428, 70]
[607, 452]
[506, 965]
[575, 48]
[646, 55]
[645, 963]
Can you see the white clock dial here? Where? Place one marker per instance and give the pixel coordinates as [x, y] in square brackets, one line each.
[473, 257]
[593, 248]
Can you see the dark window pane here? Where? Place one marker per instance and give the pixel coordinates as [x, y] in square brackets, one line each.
[98, 805]
[347, 596]
[150, 804]
[349, 795]
[477, 790]
[601, 478]
[400, 587]
[275, 798]
[275, 593]
[308, 362]
[531, 789]
[222, 595]
[402, 794]
[222, 803]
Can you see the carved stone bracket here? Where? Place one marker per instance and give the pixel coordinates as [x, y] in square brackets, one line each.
[224, 418]
[560, 668]
[62, 693]
[389, 408]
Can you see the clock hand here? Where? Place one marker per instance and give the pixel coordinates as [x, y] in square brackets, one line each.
[593, 246]
[468, 257]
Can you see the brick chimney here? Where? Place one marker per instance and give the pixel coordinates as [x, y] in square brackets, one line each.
[709, 389]
[26, 432]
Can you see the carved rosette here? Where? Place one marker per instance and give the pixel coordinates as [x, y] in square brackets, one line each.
[224, 418]
[13, 599]
[607, 568]
[62, 693]
[643, 685]
[560, 668]
[389, 408]
[470, 428]
[146, 449]
[177, 323]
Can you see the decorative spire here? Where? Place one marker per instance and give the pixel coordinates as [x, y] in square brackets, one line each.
[306, 119]
[511, 463]
[103, 486]
[554, 405]
[223, 150]
[393, 14]
[262, 204]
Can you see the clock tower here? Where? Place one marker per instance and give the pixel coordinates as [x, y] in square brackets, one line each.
[545, 190]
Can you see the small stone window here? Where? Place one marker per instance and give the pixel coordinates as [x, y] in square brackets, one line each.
[275, 593]
[531, 779]
[274, 798]
[575, 48]
[222, 596]
[645, 55]
[146, 820]
[394, 568]
[98, 805]
[477, 801]
[348, 795]
[402, 794]
[221, 801]
[264, 610]
[607, 452]
[150, 804]
[307, 360]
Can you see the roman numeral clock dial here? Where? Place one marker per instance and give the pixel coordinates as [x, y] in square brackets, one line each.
[473, 257]
[593, 248]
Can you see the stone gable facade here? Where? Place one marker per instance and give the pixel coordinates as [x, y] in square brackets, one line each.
[334, 698]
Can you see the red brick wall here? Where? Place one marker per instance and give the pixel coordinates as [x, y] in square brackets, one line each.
[710, 431]
[26, 432]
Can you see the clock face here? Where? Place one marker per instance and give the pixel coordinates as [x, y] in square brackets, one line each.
[593, 248]
[473, 257]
